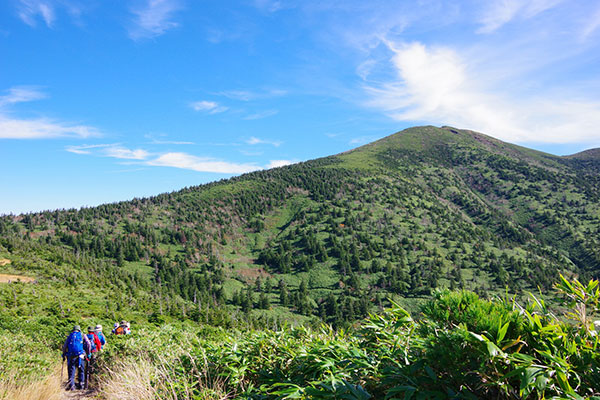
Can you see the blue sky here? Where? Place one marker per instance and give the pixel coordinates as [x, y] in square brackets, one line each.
[102, 101]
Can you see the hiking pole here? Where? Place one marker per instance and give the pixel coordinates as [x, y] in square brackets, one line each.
[87, 371]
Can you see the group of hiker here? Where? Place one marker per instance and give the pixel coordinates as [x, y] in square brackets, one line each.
[80, 351]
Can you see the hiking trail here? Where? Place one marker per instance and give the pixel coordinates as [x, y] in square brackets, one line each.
[88, 394]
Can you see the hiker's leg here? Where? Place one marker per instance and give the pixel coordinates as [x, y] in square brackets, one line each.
[71, 368]
[81, 365]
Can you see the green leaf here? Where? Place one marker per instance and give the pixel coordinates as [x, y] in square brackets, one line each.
[502, 332]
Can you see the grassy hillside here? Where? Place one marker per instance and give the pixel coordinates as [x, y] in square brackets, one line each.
[331, 238]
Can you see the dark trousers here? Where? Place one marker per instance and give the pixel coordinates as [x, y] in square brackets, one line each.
[74, 363]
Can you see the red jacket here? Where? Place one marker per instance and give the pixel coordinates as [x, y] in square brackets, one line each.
[96, 342]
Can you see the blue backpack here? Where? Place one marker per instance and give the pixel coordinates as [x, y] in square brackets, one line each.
[75, 344]
[91, 337]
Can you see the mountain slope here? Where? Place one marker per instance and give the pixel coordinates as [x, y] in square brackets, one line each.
[424, 208]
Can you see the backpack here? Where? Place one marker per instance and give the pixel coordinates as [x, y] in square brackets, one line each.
[120, 330]
[93, 346]
[101, 338]
[75, 344]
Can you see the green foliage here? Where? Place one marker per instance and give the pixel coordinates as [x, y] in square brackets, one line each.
[460, 347]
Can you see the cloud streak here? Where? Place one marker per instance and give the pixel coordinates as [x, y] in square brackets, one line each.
[153, 18]
[21, 94]
[37, 128]
[261, 115]
[110, 150]
[254, 141]
[501, 12]
[211, 107]
[42, 128]
[172, 159]
[201, 164]
[29, 10]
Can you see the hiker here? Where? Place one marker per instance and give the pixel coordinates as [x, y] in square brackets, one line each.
[94, 340]
[100, 335]
[94, 347]
[122, 329]
[73, 351]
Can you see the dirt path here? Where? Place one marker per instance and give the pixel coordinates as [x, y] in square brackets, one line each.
[7, 278]
[80, 395]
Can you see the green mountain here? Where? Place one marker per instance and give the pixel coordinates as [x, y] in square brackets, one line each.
[330, 238]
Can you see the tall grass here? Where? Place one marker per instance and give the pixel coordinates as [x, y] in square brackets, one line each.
[159, 364]
[49, 388]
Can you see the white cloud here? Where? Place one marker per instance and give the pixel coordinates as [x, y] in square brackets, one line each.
[211, 107]
[127, 154]
[110, 150]
[279, 163]
[500, 12]
[36, 128]
[21, 94]
[85, 149]
[261, 115]
[172, 159]
[42, 128]
[254, 141]
[201, 164]
[153, 18]
[30, 9]
[436, 85]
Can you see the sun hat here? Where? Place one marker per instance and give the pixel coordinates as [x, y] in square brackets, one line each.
[77, 328]
[99, 328]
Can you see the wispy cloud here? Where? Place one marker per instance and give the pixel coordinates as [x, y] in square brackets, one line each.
[170, 159]
[114, 150]
[12, 127]
[261, 115]
[29, 10]
[592, 25]
[437, 85]
[254, 141]
[211, 107]
[126, 154]
[153, 18]
[21, 94]
[249, 95]
[85, 148]
[498, 13]
[42, 128]
[201, 164]
[154, 140]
